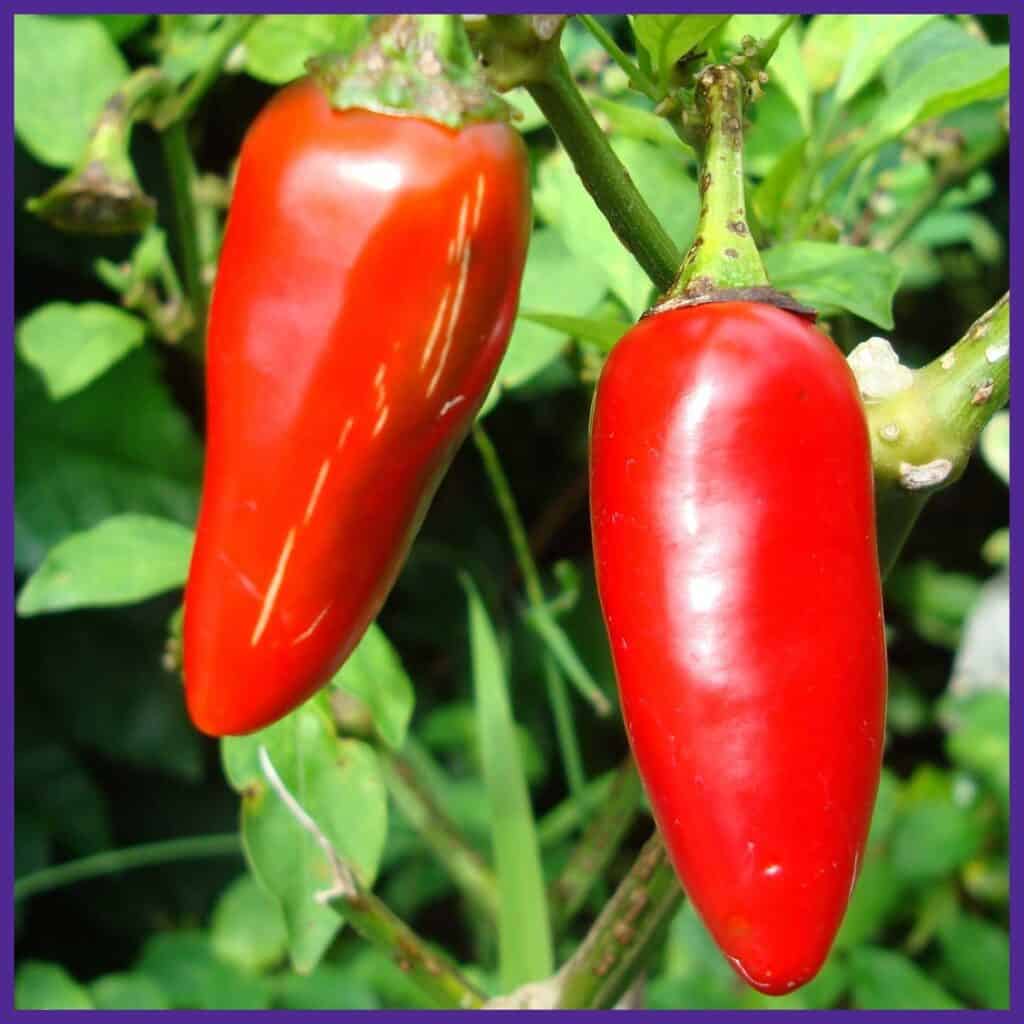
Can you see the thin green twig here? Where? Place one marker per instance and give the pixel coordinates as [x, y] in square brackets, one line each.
[637, 78]
[111, 862]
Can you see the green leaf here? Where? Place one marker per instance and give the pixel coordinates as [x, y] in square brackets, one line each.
[834, 277]
[531, 116]
[122, 26]
[119, 446]
[71, 345]
[278, 45]
[934, 836]
[995, 445]
[65, 70]
[879, 892]
[127, 991]
[374, 673]
[976, 954]
[952, 227]
[44, 986]
[889, 981]
[247, 928]
[189, 42]
[667, 37]
[627, 120]
[825, 45]
[329, 987]
[978, 725]
[338, 783]
[131, 712]
[874, 38]
[524, 931]
[455, 728]
[553, 279]
[770, 197]
[936, 601]
[996, 549]
[695, 973]
[596, 253]
[122, 560]
[59, 788]
[603, 333]
[939, 37]
[951, 81]
[183, 965]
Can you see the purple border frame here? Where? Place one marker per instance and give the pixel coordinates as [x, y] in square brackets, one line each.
[1016, 259]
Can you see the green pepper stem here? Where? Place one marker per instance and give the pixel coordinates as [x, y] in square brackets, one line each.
[597, 846]
[925, 424]
[619, 944]
[723, 254]
[182, 173]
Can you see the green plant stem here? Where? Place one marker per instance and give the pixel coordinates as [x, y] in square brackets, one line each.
[181, 107]
[723, 255]
[603, 174]
[924, 431]
[557, 696]
[182, 173]
[597, 846]
[101, 194]
[112, 862]
[945, 177]
[432, 971]
[565, 732]
[567, 817]
[619, 944]
[539, 616]
[524, 51]
[637, 79]
[464, 864]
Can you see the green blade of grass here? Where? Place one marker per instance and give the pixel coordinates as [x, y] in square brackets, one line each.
[524, 929]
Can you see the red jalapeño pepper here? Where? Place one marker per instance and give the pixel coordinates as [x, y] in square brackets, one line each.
[733, 518]
[734, 537]
[365, 294]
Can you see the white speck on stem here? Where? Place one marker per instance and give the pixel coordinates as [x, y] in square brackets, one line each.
[997, 353]
[929, 474]
[878, 369]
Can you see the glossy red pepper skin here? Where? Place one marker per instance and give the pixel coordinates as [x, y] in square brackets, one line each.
[365, 294]
[733, 523]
